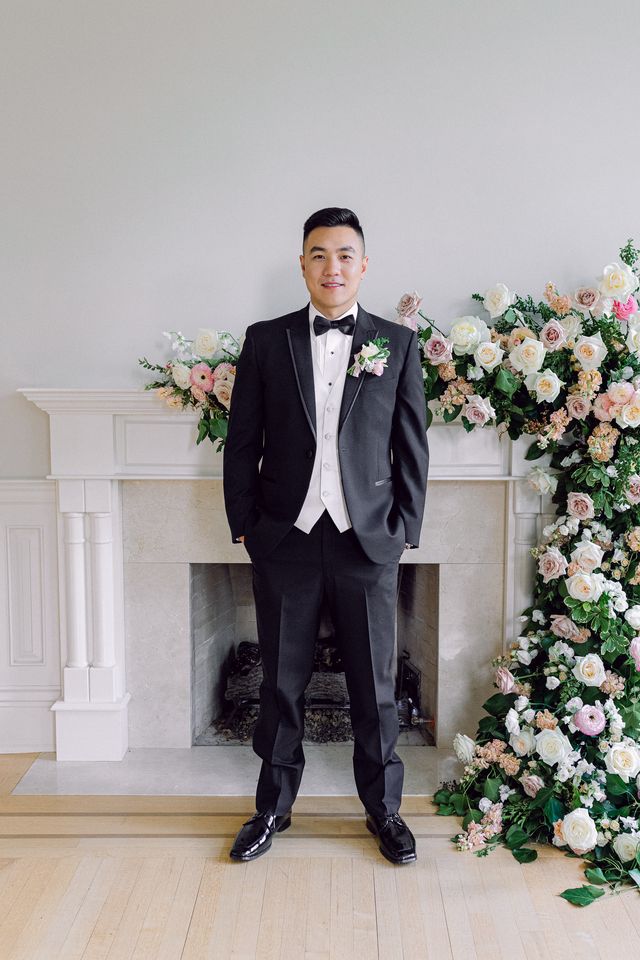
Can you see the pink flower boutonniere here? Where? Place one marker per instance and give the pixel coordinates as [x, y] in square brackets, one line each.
[372, 358]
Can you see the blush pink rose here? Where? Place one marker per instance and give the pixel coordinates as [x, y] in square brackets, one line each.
[551, 565]
[634, 651]
[564, 627]
[224, 371]
[620, 393]
[578, 407]
[553, 335]
[198, 394]
[586, 298]
[625, 310]
[531, 784]
[504, 680]
[478, 410]
[407, 309]
[589, 720]
[602, 408]
[202, 376]
[580, 505]
[378, 368]
[438, 349]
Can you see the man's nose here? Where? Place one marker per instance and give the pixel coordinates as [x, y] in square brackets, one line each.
[332, 267]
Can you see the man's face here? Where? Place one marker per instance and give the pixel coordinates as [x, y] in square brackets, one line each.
[333, 265]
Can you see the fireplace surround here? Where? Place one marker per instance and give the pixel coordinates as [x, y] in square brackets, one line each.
[137, 503]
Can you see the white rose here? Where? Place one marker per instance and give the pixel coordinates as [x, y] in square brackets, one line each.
[590, 351]
[542, 481]
[552, 683]
[626, 846]
[623, 758]
[584, 586]
[523, 743]
[590, 670]
[181, 373]
[552, 746]
[488, 355]
[572, 326]
[632, 616]
[511, 721]
[546, 385]
[528, 356]
[618, 281]
[633, 336]
[467, 333]
[498, 299]
[206, 344]
[579, 831]
[588, 555]
[464, 748]
[629, 416]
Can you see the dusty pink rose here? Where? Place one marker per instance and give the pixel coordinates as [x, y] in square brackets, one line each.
[551, 564]
[478, 410]
[602, 408]
[202, 376]
[378, 368]
[589, 720]
[198, 394]
[531, 784]
[586, 298]
[407, 309]
[634, 651]
[625, 310]
[633, 490]
[577, 406]
[564, 627]
[224, 371]
[504, 680]
[438, 349]
[580, 505]
[553, 335]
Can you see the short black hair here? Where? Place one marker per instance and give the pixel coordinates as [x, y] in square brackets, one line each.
[332, 217]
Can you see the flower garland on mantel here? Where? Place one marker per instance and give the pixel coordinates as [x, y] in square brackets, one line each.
[557, 756]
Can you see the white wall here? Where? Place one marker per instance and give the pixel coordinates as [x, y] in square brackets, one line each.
[160, 157]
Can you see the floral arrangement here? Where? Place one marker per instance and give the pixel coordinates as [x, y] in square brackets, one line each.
[556, 758]
[201, 376]
[371, 358]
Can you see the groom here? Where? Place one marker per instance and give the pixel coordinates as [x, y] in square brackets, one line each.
[324, 480]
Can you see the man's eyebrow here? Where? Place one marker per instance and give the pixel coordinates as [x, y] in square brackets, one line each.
[323, 249]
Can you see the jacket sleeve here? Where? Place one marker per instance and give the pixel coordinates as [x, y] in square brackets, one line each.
[409, 446]
[245, 440]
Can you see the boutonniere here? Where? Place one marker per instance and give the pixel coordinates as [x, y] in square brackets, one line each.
[372, 358]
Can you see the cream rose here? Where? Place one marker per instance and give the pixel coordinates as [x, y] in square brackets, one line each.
[579, 831]
[488, 355]
[629, 416]
[464, 748]
[590, 351]
[542, 481]
[222, 390]
[467, 333]
[590, 670]
[181, 375]
[523, 743]
[588, 555]
[617, 281]
[584, 587]
[623, 758]
[626, 846]
[572, 326]
[528, 356]
[551, 564]
[552, 746]
[632, 616]
[498, 299]
[633, 336]
[546, 385]
[206, 344]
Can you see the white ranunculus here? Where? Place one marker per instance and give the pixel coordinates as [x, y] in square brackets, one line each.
[464, 748]
[546, 385]
[552, 746]
[488, 355]
[498, 299]
[523, 743]
[206, 344]
[590, 351]
[626, 846]
[618, 281]
[542, 481]
[623, 758]
[512, 722]
[588, 555]
[632, 616]
[467, 333]
[528, 356]
[579, 831]
[181, 375]
[584, 586]
[590, 670]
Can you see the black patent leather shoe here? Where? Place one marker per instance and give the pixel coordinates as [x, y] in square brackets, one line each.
[397, 843]
[254, 838]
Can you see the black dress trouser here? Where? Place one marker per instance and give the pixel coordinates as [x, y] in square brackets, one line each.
[290, 585]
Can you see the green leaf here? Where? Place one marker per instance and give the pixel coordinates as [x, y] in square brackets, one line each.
[450, 415]
[635, 876]
[459, 803]
[516, 836]
[506, 382]
[595, 875]
[441, 796]
[553, 810]
[474, 816]
[499, 704]
[218, 428]
[534, 452]
[429, 417]
[445, 810]
[492, 788]
[616, 786]
[524, 854]
[582, 896]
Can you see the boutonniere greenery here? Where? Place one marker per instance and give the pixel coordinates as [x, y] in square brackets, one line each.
[371, 358]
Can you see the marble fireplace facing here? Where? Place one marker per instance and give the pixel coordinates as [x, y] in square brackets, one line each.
[140, 508]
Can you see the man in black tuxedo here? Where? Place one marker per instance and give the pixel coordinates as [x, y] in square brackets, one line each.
[325, 476]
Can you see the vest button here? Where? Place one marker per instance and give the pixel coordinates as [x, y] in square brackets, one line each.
[308, 453]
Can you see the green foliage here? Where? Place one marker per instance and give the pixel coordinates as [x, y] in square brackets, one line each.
[582, 896]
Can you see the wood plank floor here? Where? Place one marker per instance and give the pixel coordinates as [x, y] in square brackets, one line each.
[109, 878]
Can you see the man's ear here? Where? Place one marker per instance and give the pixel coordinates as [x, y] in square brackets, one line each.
[302, 263]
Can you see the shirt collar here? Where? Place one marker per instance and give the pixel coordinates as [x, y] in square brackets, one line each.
[313, 313]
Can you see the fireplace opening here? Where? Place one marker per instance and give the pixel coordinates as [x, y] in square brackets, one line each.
[226, 668]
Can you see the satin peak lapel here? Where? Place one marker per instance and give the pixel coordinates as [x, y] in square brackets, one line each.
[300, 347]
[365, 330]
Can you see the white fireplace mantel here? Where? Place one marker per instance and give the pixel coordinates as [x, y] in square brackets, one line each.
[100, 438]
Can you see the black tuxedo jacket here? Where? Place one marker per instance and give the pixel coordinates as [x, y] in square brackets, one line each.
[271, 443]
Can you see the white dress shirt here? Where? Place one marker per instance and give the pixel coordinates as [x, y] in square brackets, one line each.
[331, 352]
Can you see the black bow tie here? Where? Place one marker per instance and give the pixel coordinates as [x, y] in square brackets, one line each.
[345, 324]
